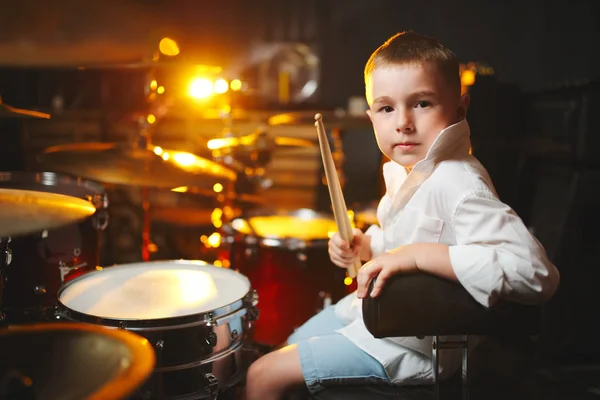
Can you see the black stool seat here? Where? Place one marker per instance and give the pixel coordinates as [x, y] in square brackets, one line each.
[425, 305]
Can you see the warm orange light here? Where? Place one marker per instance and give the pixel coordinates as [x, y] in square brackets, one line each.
[235, 85]
[201, 88]
[153, 84]
[160, 90]
[214, 240]
[467, 78]
[151, 118]
[218, 188]
[168, 47]
[348, 281]
[221, 86]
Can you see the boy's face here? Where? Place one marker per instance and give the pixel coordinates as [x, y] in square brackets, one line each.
[409, 104]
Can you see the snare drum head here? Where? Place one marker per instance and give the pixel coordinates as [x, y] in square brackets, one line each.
[154, 290]
[302, 224]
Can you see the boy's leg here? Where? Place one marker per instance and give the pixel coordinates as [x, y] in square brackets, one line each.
[316, 362]
[272, 375]
[322, 324]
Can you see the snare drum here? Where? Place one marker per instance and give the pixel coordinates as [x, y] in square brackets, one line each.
[285, 256]
[41, 262]
[197, 317]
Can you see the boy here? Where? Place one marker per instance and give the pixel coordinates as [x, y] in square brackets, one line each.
[440, 215]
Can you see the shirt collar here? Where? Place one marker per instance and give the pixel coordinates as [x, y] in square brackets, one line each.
[452, 142]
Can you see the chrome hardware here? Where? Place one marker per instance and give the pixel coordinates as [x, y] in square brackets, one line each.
[65, 269]
[100, 220]
[39, 290]
[5, 252]
[211, 339]
[209, 319]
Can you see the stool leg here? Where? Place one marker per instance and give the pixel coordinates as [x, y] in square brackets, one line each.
[435, 366]
[465, 369]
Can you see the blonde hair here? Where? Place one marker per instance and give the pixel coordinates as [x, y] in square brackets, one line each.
[410, 47]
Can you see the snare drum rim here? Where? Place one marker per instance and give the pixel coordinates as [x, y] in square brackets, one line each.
[47, 180]
[207, 318]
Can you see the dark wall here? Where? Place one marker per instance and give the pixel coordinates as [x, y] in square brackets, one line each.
[531, 43]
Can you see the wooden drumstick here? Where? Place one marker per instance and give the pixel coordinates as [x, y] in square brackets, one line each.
[340, 212]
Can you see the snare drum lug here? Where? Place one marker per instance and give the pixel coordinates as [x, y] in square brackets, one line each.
[209, 319]
[121, 325]
[234, 334]
[212, 384]
[253, 314]
[211, 339]
[158, 349]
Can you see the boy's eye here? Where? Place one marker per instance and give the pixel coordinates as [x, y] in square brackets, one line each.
[423, 104]
[386, 109]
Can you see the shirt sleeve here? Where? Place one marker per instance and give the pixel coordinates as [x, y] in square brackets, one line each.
[496, 256]
[377, 243]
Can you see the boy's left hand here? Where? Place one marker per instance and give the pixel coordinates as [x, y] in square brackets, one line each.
[383, 267]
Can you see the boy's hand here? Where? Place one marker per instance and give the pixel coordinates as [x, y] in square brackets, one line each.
[340, 252]
[383, 267]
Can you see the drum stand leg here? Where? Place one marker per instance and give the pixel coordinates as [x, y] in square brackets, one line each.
[146, 243]
[5, 260]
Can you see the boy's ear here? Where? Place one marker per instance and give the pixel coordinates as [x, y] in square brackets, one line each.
[463, 106]
[369, 114]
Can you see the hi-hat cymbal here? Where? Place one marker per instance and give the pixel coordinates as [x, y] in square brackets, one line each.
[120, 164]
[27, 211]
[331, 119]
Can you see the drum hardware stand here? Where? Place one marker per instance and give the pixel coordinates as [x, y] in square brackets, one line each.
[5, 261]
[64, 271]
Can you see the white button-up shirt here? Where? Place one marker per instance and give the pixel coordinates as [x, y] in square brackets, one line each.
[449, 198]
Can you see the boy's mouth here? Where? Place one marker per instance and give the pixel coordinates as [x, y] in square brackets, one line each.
[406, 145]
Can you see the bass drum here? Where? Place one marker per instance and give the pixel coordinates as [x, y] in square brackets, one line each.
[41, 262]
[197, 317]
[285, 256]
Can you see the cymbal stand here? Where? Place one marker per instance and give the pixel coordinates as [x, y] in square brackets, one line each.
[142, 141]
[5, 261]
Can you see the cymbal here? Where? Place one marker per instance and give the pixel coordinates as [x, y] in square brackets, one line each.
[27, 211]
[95, 362]
[258, 141]
[7, 111]
[121, 164]
[331, 119]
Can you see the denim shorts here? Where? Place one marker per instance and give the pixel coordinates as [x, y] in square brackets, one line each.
[329, 358]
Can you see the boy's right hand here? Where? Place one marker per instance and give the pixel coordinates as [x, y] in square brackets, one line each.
[341, 253]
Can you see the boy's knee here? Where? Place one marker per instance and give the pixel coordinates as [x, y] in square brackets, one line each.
[258, 370]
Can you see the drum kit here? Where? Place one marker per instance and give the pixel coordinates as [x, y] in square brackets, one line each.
[170, 329]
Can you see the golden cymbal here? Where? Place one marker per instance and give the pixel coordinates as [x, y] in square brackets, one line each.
[120, 164]
[258, 141]
[331, 119]
[7, 111]
[27, 211]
